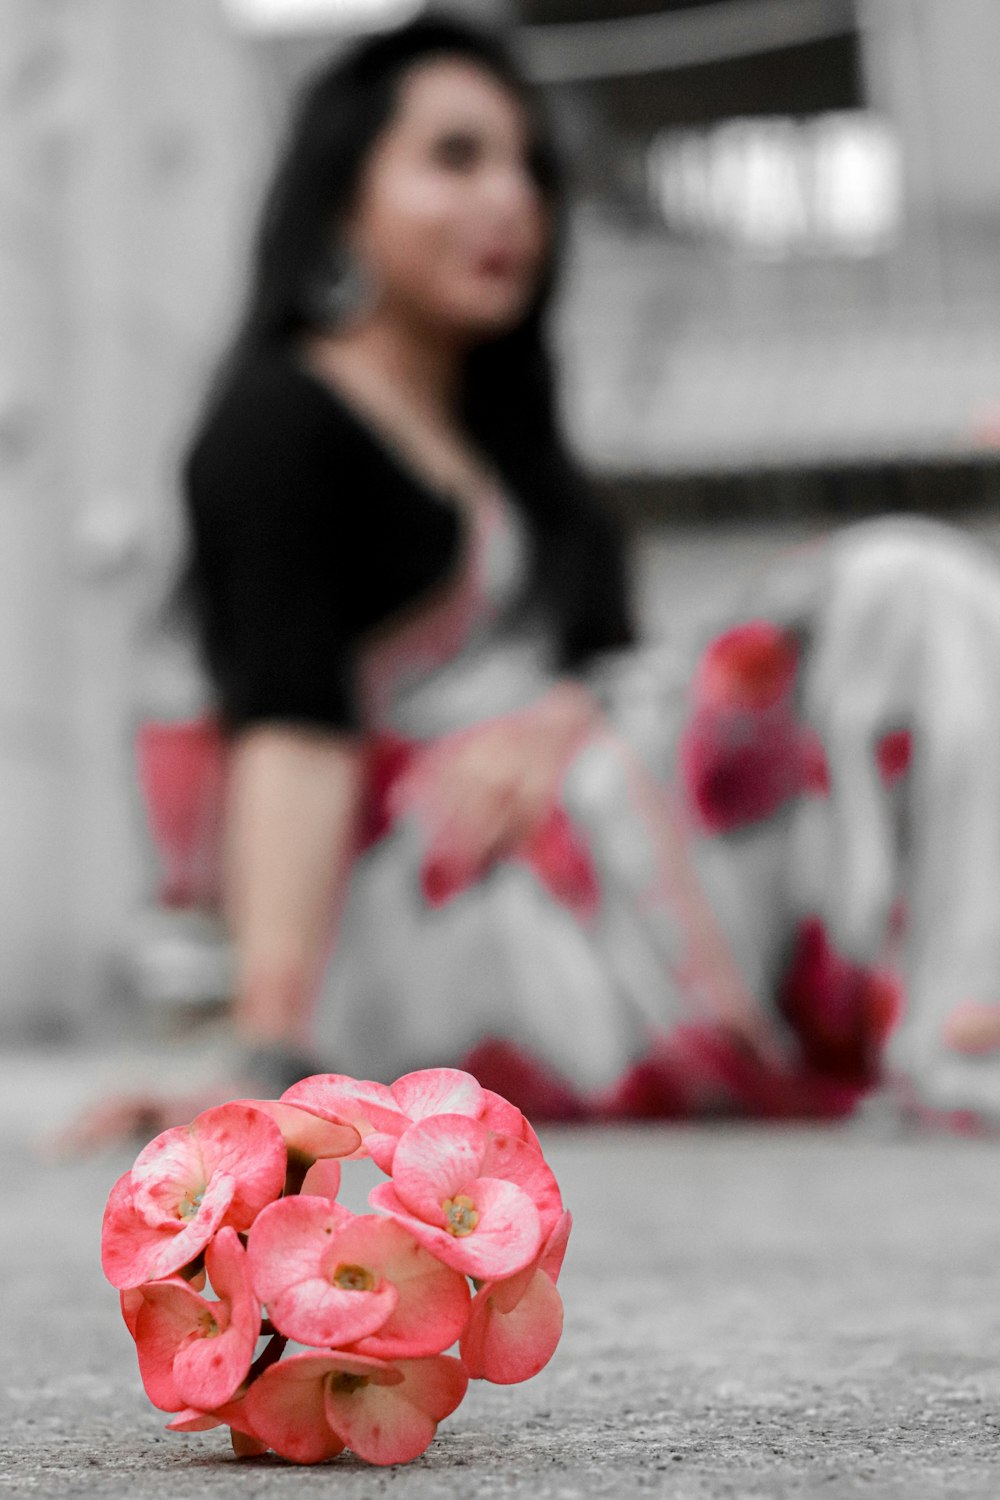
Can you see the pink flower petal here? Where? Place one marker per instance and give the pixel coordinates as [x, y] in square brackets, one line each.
[554, 1250]
[392, 1424]
[366, 1105]
[437, 1091]
[328, 1317]
[134, 1251]
[515, 1161]
[173, 1173]
[506, 1238]
[287, 1242]
[131, 1301]
[172, 1315]
[242, 1142]
[306, 1134]
[288, 1238]
[433, 1161]
[509, 1346]
[189, 1419]
[437, 1386]
[500, 1115]
[295, 1249]
[381, 1147]
[168, 1174]
[288, 1410]
[209, 1369]
[378, 1426]
[287, 1403]
[233, 1414]
[419, 1095]
[322, 1179]
[506, 1294]
[433, 1300]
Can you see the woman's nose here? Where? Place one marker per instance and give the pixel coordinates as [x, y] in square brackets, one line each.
[510, 191]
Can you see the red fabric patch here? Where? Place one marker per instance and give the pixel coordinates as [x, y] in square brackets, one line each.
[744, 753]
[696, 1072]
[536, 1090]
[563, 864]
[894, 755]
[182, 774]
[739, 768]
[751, 667]
[841, 1013]
[387, 757]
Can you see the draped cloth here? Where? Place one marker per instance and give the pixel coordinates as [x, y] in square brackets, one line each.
[639, 956]
[768, 877]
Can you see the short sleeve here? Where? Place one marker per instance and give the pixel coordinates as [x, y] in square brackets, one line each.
[268, 491]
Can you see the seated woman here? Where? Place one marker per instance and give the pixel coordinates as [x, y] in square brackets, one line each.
[465, 822]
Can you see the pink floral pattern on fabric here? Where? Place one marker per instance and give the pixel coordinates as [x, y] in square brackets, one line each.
[744, 753]
[842, 1013]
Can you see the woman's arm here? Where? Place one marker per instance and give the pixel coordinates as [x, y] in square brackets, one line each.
[294, 798]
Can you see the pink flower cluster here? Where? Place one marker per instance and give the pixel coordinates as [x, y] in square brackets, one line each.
[244, 1201]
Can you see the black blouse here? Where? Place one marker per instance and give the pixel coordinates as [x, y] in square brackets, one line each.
[308, 530]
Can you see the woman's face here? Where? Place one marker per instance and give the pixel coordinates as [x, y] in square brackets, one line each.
[448, 218]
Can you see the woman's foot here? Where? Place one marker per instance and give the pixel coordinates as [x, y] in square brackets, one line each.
[134, 1116]
[948, 1073]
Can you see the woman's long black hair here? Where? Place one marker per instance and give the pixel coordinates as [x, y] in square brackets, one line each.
[510, 406]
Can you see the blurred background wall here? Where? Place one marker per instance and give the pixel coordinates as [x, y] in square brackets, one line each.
[783, 300]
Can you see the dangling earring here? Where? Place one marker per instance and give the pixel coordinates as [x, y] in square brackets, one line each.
[341, 293]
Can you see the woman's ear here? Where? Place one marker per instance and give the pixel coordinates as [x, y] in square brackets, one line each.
[341, 290]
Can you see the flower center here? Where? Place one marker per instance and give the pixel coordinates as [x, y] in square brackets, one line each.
[461, 1215]
[343, 1384]
[353, 1279]
[190, 1204]
[209, 1327]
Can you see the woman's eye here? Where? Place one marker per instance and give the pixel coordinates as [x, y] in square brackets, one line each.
[457, 152]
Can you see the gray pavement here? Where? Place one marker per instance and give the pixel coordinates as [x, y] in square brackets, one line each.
[750, 1313]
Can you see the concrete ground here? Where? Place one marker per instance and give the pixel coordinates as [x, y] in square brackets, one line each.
[750, 1313]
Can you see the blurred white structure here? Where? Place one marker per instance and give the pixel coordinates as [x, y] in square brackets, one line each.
[823, 287]
[280, 16]
[778, 187]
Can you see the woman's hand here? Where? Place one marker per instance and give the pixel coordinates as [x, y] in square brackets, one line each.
[482, 793]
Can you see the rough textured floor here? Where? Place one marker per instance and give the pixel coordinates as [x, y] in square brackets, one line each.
[749, 1313]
